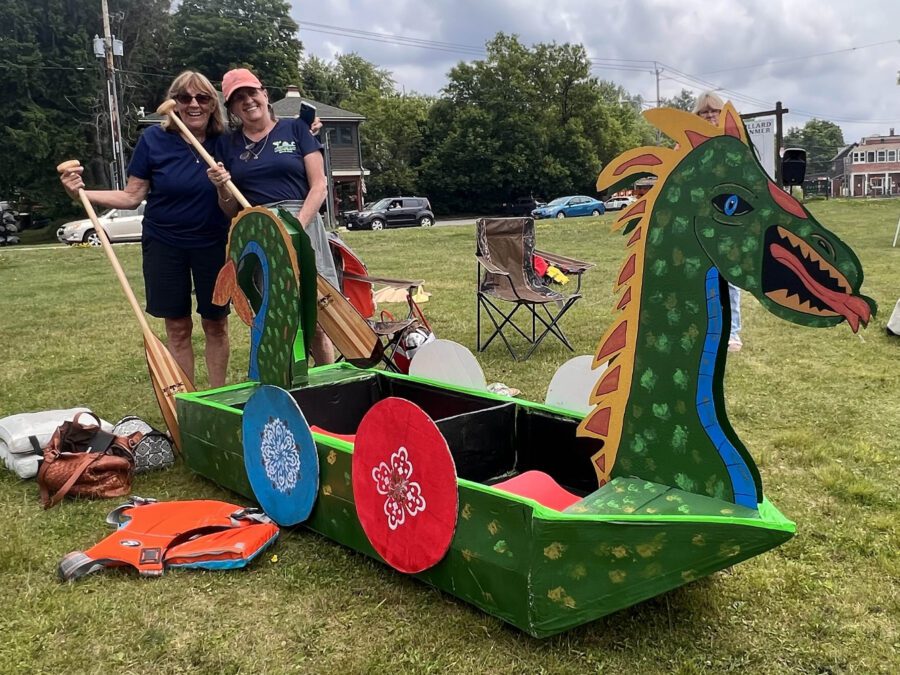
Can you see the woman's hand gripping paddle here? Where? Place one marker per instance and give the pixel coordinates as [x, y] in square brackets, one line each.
[166, 375]
[349, 331]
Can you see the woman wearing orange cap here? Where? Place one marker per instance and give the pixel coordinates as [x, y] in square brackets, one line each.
[274, 163]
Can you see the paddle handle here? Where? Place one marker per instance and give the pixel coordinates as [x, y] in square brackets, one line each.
[108, 249]
[168, 108]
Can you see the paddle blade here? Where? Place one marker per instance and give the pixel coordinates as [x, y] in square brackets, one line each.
[347, 329]
[168, 379]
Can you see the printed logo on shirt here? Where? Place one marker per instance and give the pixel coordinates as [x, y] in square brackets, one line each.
[282, 147]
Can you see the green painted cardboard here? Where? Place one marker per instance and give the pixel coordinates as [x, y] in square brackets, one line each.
[669, 494]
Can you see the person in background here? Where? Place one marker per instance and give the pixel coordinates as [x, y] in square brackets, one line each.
[708, 106]
[184, 230]
[275, 163]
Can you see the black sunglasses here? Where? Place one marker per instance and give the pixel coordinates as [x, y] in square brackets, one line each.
[184, 98]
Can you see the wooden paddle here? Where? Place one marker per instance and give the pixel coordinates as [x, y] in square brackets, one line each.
[347, 329]
[166, 375]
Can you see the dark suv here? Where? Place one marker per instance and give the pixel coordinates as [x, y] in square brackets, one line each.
[523, 206]
[392, 212]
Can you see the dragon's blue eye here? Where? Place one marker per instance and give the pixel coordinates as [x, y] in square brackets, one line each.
[731, 205]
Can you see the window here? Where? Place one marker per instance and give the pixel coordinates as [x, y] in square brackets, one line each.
[343, 135]
[870, 156]
[882, 156]
[892, 155]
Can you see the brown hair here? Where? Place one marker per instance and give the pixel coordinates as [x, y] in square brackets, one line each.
[198, 81]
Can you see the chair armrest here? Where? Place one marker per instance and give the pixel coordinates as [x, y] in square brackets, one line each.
[395, 283]
[489, 266]
[566, 265]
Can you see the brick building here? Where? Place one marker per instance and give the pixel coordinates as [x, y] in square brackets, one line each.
[872, 168]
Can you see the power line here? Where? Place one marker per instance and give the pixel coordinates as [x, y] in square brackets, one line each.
[793, 59]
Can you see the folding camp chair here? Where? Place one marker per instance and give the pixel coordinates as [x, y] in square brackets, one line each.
[358, 286]
[505, 252]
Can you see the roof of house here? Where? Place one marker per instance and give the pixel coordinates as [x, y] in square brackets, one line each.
[289, 106]
[843, 151]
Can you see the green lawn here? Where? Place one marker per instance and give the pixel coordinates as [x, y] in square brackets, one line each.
[819, 409]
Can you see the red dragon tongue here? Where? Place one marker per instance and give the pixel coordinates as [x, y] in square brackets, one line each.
[852, 307]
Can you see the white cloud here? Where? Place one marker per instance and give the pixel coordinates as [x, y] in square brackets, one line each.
[710, 41]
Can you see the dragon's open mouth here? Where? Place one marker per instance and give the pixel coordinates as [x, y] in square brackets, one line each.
[797, 277]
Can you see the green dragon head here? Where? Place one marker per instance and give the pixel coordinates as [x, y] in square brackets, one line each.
[759, 237]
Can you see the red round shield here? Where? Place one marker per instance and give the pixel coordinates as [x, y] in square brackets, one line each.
[404, 485]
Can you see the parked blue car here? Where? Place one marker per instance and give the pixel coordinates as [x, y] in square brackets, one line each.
[568, 207]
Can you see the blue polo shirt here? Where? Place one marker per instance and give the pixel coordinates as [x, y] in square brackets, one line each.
[182, 207]
[274, 169]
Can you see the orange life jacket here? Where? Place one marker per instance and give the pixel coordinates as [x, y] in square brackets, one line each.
[152, 536]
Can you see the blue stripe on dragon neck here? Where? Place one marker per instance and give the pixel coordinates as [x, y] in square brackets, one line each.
[741, 478]
[259, 321]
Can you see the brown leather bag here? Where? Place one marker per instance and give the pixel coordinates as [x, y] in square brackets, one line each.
[82, 460]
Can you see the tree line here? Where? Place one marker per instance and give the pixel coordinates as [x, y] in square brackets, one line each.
[524, 120]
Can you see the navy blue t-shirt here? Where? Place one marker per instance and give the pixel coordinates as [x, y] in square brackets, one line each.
[182, 207]
[278, 173]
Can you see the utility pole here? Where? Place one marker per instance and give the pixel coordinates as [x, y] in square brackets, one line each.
[112, 94]
[657, 71]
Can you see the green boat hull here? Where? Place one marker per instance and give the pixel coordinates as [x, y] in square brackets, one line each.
[541, 570]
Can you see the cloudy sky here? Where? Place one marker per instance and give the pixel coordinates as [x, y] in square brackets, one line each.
[830, 59]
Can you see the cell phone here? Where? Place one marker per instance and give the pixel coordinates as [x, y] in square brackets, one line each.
[307, 112]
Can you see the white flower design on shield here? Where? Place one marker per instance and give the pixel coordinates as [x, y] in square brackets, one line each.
[280, 455]
[403, 495]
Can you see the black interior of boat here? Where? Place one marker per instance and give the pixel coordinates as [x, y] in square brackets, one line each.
[490, 440]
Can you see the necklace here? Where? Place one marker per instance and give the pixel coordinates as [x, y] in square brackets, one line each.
[191, 148]
[250, 147]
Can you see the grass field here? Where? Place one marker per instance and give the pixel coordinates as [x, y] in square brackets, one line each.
[819, 410]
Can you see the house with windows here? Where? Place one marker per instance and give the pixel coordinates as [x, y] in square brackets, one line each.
[839, 171]
[872, 168]
[343, 150]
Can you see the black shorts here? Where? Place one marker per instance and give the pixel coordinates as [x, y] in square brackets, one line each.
[167, 279]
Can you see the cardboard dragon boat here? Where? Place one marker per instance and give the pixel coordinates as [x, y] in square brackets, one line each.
[541, 516]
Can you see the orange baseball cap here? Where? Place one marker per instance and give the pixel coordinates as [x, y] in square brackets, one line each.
[237, 78]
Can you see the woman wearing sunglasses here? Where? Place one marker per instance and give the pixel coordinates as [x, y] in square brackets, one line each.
[275, 163]
[184, 230]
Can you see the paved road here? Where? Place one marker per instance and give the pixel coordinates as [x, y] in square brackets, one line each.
[444, 222]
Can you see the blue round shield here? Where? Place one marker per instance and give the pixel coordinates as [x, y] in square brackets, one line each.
[280, 456]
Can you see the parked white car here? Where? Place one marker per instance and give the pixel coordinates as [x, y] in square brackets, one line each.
[617, 203]
[119, 225]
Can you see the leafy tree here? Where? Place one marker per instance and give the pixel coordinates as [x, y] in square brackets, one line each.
[55, 90]
[683, 101]
[361, 75]
[821, 140]
[213, 36]
[392, 139]
[524, 120]
[320, 81]
[350, 74]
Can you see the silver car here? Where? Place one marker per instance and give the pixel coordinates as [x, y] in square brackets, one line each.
[617, 203]
[119, 225]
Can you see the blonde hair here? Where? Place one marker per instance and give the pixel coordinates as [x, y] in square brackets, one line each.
[708, 99]
[199, 82]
